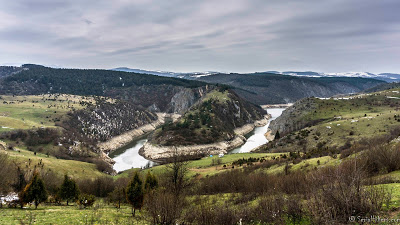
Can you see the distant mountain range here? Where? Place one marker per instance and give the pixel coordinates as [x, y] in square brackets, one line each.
[167, 73]
[388, 77]
[149, 90]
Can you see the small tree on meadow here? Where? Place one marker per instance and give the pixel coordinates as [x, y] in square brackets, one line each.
[69, 191]
[135, 193]
[35, 191]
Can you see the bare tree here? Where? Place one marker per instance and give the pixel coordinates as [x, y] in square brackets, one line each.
[166, 203]
[177, 170]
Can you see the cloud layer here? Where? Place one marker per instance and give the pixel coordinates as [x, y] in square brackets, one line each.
[224, 35]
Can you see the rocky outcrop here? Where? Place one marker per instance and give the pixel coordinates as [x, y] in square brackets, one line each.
[105, 120]
[3, 146]
[185, 98]
[250, 127]
[160, 153]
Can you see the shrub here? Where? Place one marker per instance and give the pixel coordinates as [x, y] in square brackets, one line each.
[340, 195]
[86, 200]
[164, 207]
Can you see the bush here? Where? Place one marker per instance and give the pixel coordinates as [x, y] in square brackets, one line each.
[85, 201]
[340, 195]
[381, 158]
[164, 207]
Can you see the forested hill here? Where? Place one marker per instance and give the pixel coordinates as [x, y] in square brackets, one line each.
[382, 87]
[9, 70]
[268, 88]
[150, 91]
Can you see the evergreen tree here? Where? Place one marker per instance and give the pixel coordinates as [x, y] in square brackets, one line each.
[150, 182]
[35, 191]
[277, 135]
[20, 184]
[135, 194]
[69, 191]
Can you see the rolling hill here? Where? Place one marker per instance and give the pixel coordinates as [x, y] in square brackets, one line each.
[268, 88]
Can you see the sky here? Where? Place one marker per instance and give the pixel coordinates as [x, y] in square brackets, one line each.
[203, 35]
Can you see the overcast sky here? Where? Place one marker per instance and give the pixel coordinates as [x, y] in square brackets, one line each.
[200, 35]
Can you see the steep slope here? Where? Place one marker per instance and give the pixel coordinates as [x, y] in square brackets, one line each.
[267, 88]
[383, 87]
[105, 120]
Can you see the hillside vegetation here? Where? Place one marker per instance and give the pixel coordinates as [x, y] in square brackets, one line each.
[332, 125]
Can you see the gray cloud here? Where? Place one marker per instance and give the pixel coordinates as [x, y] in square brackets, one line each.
[226, 35]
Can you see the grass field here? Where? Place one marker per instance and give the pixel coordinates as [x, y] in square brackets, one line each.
[204, 166]
[100, 213]
[25, 112]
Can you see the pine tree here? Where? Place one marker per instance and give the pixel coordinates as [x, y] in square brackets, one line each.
[150, 182]
[135, 194]
[35, 191]
[69, 191]
[277, 135]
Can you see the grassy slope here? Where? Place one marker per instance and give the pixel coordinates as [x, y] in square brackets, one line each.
[75, 169]
[25, 112]
[348, 115]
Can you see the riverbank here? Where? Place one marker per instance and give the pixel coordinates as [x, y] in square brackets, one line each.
[127, 137]
[160, 153]
[282, 106]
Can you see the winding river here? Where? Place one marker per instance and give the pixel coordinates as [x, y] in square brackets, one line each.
[128, 157]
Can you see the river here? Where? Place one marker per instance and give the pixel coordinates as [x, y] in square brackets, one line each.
[128, 157]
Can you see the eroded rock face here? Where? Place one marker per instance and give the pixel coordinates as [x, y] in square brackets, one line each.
[105, 121]
[185, 98]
